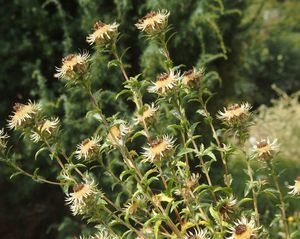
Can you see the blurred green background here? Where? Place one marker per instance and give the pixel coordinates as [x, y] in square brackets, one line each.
[250, 44]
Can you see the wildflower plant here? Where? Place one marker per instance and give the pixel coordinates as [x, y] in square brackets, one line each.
[167, 185]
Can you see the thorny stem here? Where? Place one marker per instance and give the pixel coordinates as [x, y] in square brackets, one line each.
[215, 136]
[282, 204]
[254, 193]
[116, 55]
[166, 187]
[32, 176]
[190, 136]
[54, 154]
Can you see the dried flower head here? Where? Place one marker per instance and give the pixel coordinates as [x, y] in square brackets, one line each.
[197, 234]
[235, 114]
[87, 148]
[148, 114]
[103, 33]
[81, 192]
[3, 137]
[296, 187]
[165, 83]
[193, 77]
[192, 181]
[226, 205]
[73, 65]
[243, 229]
[22, 114]
[158, 149]
[265, 148]
[153, 21]
[45, 127]
[117, 132]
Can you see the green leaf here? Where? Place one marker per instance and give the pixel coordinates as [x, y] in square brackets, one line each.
[112, 63]
[38, 152]
[185, 151]
[14, 175]
[156, 228]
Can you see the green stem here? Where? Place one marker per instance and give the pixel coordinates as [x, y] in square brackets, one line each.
[282, 204]
[254, 193]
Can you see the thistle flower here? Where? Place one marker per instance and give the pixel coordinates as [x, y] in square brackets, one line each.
[153, 21]
[234, 114]
[192, 77]
[80, 195]
[117, 132]
[87, 148]
[265, 148]
[197, 234]
[296, 187]
[158, 149]
[103, 33]
[226, 205]
[164, 83]
[72, 65]
[3, 137]
[148, 114]
[22, 114]
[243, 229]
[192, 181]
[45, 127]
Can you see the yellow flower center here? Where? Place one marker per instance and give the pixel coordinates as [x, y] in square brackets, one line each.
[263, 147]
[150, 20]
[242, 232]
[87, 145]
[100, 31]
[158, 147]
[234, 111]
[114, 133]
[164, 80]
[80, 191]
[70, 61]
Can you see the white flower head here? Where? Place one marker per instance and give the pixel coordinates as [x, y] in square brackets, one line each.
[103, 33]
[243, 229]
[87, 148]
[117, 132]
[193, 77]
[264, 148]
[81, 192]
[46, 127]
[227, 205]
[235, 113]
[197, 234]
[72, 65]
[153, 21]
[296, 187]
[22, 114]
[158, 149]
[165, 83]
[148, 114]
